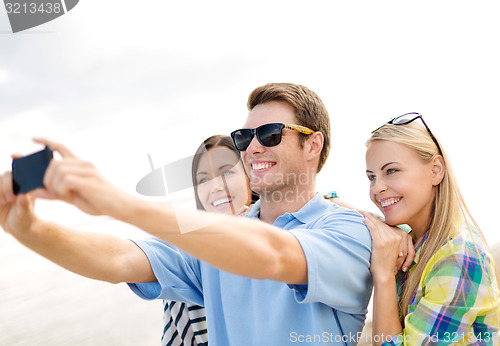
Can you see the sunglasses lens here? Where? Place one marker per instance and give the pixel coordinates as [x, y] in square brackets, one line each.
[269, 135]
[242, 139]
[405, 119]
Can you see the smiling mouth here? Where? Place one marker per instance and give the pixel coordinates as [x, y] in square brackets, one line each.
[389, 202]
[262, 165]
[221, 201]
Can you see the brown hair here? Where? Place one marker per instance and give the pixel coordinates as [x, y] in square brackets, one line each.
[309, 109]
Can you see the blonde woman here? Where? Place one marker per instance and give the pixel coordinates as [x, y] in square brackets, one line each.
[450, 293]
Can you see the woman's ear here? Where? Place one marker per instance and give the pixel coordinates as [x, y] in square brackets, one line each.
[438, 170]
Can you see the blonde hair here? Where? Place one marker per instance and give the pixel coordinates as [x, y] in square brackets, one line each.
[449, 210]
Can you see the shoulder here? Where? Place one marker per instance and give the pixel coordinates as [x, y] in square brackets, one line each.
[337, 216]
[332, 211]
[466, 249]
[345, 225]
[466, 242]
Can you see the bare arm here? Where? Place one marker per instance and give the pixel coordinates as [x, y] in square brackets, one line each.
[238, 245]
[234, 244]
[98, 256]
[385, 247]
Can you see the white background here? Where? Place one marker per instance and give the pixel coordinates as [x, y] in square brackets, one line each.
[117, 80]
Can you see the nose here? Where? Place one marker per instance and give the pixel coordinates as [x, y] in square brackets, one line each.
[216, 185]
[254, 147]
[378, 186]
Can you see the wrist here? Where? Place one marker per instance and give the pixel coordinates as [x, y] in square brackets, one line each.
[129, 208]
[118, 205]
[30, 229]
[384, 278]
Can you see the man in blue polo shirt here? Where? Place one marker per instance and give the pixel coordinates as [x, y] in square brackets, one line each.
[245, 311]
[322, 296]
[295, 270]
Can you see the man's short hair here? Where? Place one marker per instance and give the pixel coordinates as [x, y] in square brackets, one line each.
[309, 110]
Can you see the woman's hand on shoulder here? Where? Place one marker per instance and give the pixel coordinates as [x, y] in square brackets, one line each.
[392, 248]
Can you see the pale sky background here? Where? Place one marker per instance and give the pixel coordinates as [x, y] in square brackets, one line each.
[117, 80]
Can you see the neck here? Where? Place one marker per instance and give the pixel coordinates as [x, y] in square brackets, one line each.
[421, 220]
[420, 227]
[287, 200]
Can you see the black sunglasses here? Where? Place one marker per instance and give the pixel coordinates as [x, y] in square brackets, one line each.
[408, 118]
[268, 135]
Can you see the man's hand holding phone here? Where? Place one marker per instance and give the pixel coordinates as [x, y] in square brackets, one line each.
[79, 183]
[69, 179]
[20, 187]
[28, 171]
[16, 206]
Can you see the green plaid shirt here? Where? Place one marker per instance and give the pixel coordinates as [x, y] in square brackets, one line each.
[457, 301]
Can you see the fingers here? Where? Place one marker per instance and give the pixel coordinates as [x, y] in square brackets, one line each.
[61, 175]
[375, 226]
[385, 247]
[371, 226]
[61, 148]
[6, 192]
[25, 202]
[399, 262]
[403, 249]
[406, 250]
[42, 193]
[411, 254]
[370, 218]
[403, 246]
[378, 217]
[377, 231]
[61, 178]
[67, 175]
[374, 217]
[368, 221]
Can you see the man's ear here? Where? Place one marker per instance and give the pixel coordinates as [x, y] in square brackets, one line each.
[438, 170]
[314, 144]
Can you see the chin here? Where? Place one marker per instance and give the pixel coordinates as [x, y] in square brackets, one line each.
[393, 221]
[257, 188]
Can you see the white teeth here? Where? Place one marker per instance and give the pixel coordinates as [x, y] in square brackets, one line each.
[261, 165]
[220, 201]
[389, 202]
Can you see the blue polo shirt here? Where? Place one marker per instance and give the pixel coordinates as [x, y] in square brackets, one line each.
[330, 309]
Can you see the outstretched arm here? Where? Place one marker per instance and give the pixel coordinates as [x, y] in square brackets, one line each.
[238, 245]
[98, 256]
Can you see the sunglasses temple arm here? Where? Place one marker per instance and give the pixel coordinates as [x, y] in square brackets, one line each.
[432, 136]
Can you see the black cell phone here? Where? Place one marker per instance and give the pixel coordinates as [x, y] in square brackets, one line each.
[28, 171]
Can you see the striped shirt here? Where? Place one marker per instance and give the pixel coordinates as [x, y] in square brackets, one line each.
[185, 324]
[457, 301]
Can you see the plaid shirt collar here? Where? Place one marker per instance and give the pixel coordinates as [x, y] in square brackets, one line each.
[418, 246]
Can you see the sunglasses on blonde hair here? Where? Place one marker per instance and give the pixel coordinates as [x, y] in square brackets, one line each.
[407, 118]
